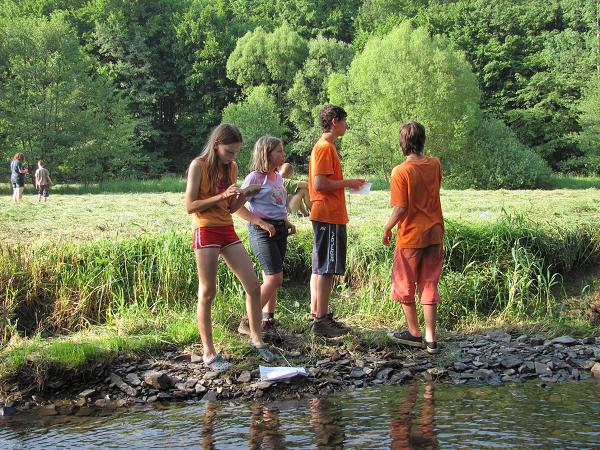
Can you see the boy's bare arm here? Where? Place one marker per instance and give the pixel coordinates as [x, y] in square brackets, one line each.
[395, 217]
[324, 183]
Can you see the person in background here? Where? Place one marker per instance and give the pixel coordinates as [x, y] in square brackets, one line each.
[42, 181]
[17, 177]
[298, 196]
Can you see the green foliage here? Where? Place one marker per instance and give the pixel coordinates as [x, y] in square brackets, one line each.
[588, 161]
[496, 159]
[309, 91]
[52, 108]
[271, 59]
[256, 116]
[406, 75]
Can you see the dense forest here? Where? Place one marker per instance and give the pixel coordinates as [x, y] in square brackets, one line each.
[509, 90]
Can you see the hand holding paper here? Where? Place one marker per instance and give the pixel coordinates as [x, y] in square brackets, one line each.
[364, 189]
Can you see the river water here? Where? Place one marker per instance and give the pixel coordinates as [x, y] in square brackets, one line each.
[529, 415]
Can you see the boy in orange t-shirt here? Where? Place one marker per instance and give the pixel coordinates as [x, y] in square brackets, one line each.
[326, 185]
[418, 256]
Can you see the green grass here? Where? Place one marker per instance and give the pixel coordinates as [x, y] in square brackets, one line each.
[85, 276]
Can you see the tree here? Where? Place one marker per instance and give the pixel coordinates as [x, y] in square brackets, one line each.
[53, 109]
[588, 160]
[270, 59]
[405, 75]
[256, 116]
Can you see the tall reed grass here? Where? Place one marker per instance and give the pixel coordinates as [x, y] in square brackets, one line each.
[508, 269]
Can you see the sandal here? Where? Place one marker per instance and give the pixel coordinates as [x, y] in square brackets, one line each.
[218, 364]
[263, 351]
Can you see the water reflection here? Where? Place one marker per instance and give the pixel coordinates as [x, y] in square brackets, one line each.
[417, 416]
[326, 420]
[404, 433]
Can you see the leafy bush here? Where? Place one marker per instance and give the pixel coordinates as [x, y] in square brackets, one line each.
[496, 159]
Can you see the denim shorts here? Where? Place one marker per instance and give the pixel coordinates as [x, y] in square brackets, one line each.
[270, 251]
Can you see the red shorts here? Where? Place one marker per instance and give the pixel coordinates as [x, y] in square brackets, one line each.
[417, 268]
[217, 237]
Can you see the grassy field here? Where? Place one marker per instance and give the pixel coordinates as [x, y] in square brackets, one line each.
[85, 275]
[89, 216]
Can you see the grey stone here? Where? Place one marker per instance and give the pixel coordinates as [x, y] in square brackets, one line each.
[87, 393]
[499, 336]
[163, 396]
[522, 339]
[210, 395]
[196, 359]
[511, 361]
[460, 366]
[133, 379]
[403, 375]
[542, 369]
[211, 375]
[357, 373]
[537, 340]
[244, 377]
[122, 385]
[483, 374]
[564, 340]
[199, 389]
[190, 383]
[384, 374]
[158, 380]
[589, 340]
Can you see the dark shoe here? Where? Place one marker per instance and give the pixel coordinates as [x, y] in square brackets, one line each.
[244, 327]
[327, 327]
[269, 329]
[431, 347]
[405, 338]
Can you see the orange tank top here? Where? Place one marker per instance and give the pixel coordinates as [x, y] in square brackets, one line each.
[219, 214]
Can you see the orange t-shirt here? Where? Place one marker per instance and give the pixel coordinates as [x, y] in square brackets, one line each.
[218, 215]
[415, 185]
[328, 206]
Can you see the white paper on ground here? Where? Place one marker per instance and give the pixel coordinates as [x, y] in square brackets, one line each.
[280, 373]
[364, 189]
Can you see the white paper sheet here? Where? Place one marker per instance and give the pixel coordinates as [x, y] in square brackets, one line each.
[364, 189]
[280, 373]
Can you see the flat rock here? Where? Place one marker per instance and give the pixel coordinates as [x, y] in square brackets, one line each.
[210, 395]
[499, 336]
[194, 358]
[542, 369]
[384, 374]
[589, 340]
[114, 378]
[211, 375]
[87, 393]
[564, 340]
[133, 379]
[460, 367]
[244, 377]
[511, 361]
[158, 380]
[357, 373]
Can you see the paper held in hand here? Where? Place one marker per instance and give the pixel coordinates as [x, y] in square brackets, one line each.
[364, 189]
[251, 189]
[280, 373]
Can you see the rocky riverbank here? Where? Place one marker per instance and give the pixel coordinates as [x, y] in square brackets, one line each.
[492, 358]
